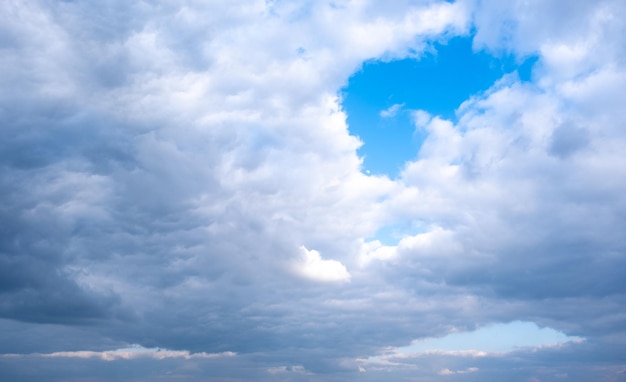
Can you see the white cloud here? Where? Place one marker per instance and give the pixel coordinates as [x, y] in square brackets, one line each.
[456, 372]
[421, 118]
[436, 242]
[312, 266]
[132, 352]
[391, 111]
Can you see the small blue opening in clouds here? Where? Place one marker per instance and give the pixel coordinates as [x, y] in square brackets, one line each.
[392, 234]
[504, 337]
[438, 83]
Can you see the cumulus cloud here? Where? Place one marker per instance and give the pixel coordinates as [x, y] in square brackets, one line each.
[314, 267]
[162, 158]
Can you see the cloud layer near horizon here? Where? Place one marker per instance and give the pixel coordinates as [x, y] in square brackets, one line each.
[180, 175]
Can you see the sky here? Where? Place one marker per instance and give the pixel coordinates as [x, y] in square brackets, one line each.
[380, 99]
[332, 190]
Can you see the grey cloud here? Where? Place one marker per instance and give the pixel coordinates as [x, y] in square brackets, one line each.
[162, 164]
[137, 217]
[567, 139]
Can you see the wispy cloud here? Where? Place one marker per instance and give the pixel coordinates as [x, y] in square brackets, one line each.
[298, 369]
[391, 111]
[133, 352]
[455, 372]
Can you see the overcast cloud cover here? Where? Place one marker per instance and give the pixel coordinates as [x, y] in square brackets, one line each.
[182, 198]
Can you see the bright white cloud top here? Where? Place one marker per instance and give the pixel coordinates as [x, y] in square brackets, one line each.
[180, 182]
[314, 267]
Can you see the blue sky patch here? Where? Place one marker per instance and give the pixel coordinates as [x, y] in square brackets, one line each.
[379, 98]
[501, 338]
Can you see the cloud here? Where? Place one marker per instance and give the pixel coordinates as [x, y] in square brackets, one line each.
[454, 372]
[288, 369]
[421, 118]
[391, 111]
[165, 168]
[314, 267]
[492, 342]
[133, 352]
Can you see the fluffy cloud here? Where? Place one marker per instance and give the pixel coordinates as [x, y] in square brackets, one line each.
[314, 267]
